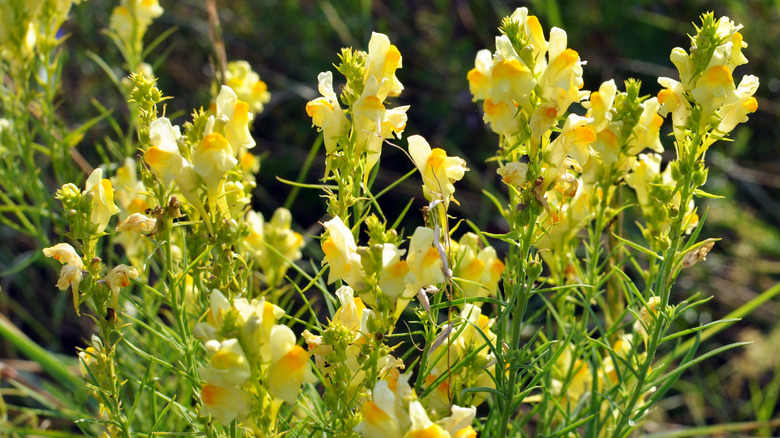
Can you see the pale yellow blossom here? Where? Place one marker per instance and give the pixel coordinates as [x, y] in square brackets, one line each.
[247, 85]
[341, 253]
[138, 223]
[103, 206]
[65, 254]
[120, 277]
[228, 365]
[326, 113]
[395, 274]
[383, 60]
[736, 110]
[212, 159]
[232, 120]
[224, 403]
[648, 168]
[424, 260]
[438, 171]
[290, 365]
[481, 267]
[513, 173]
[479, 77]
[163, 157]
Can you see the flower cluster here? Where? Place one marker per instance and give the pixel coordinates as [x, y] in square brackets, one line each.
[206, 156]
[376, 272]
[74, 271]
[348, 355]
[394, 411]
[240, 77]
[706, 97]
[365, 123]
[528, 81]
[254, 363]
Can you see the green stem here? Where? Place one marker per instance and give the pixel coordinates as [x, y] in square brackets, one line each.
[664, 283]
[520, 294]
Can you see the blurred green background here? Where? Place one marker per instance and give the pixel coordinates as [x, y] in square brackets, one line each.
[289, 42]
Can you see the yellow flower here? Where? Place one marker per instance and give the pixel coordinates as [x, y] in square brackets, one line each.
[350, 313]
[373, 123]
[254, 241]
[130, 191]
[424, 260]
[247, 85]
[533, 30]
[103, 206]
[71, 276]
[121, 22]
[501, 116]
[735, 111]
[234, 118]
[600, 104]
[467, 432]
[326, 113]
[480, 266]
[715, 87]
[512, 80]
[228, 365]
[383, 60]
[120, 277]
[72, 271]
[571, 149]
[685, 68]
[133, 15]
[163, 157]
[607, 144]
[277, 234]
[438, 171]
[514, 173]
[138, 223]
[479, 76]
[212, 159]
[544, 116]
[382, 417]
[458, 424]
[87, 357]
[576, 374]
[236, 197]
[289, 367]
[224, 403]
[648, 168]
[65, 254]
[562, 80]
[341, 254]
[672, 99]
[395, 274]
[646, 131]
[422, 426]
[256, 319]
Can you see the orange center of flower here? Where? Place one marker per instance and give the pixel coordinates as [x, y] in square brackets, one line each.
[717, 75]
[436, 159]
[669, 98]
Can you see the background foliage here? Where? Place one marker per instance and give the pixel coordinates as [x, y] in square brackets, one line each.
[289, 42]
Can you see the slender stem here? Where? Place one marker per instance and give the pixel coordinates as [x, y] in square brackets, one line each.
[519, 299]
